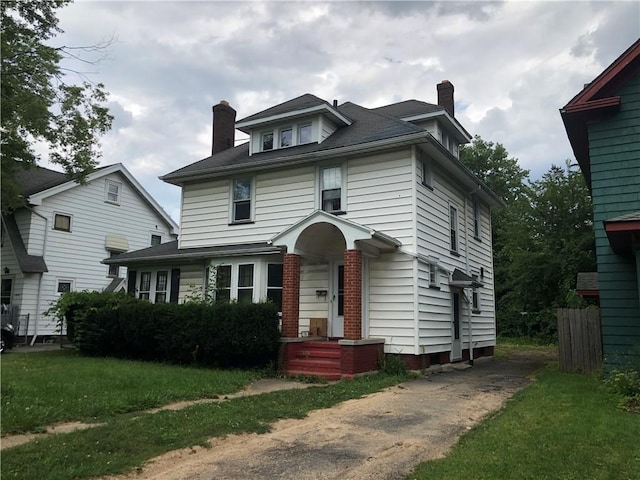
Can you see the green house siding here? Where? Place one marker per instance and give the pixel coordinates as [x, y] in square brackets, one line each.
[614, 150]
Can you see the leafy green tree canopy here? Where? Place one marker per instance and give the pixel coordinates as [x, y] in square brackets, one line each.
[39, 105]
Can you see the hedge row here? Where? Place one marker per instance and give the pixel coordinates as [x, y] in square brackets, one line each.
[224, 335]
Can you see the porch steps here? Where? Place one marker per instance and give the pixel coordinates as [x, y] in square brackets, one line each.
[320, 359]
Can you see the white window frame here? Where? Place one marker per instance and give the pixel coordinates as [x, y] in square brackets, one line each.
[155, 235]
[164, 292]
[245, 287]
[61, 280]
[273, 140]
[343, 188]
[60, 214]
[454, 229]
[232, 201]
[298, 135]
[288, 128]
[142, 292]
[107, 192]
[231, 283]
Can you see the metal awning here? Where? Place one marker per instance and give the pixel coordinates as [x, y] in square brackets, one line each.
[460, 279]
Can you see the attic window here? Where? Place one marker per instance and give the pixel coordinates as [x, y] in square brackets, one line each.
[286, 137]
[304, 134]
[112, 192]
[267, 141]
[62, 222]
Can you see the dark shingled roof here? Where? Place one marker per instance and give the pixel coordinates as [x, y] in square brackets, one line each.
[37, 179]
[115, 283]
[408, 108]
[368, 126]
[169, 251]
[299, 103]
[28, 263]
[628, 217]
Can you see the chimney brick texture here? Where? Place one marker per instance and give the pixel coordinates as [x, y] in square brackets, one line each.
[224, 127]
[445, 96]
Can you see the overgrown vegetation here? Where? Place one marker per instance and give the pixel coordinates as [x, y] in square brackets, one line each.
[129, 440]
[541, 240]
[627, 384]
[562, 426]
[222, 334]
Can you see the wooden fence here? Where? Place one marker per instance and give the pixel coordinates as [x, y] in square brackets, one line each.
[579, 340]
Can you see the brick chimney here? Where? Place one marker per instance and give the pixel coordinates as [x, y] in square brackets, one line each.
[224, 127]
[445, 96]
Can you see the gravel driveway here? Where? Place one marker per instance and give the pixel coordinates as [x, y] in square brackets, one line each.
[382, 436]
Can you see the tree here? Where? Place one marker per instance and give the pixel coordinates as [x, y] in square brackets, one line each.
[38, 104]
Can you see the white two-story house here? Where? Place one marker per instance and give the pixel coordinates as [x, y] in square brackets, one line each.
[57, 242]
[361, 224]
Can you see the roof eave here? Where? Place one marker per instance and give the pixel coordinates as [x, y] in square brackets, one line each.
[247, 126]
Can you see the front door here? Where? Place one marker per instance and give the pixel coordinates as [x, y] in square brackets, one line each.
[456, 347]
[337, 304]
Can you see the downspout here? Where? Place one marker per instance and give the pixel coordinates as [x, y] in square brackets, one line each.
[466, 262]
[38, 296]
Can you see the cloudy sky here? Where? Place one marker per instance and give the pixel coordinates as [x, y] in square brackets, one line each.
[513, 65]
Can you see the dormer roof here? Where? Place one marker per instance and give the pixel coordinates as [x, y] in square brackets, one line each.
[302, 106]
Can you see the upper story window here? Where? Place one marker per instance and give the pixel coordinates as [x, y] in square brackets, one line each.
[304, 134]
[286, 137]
[331, 189]
[267, 141]
[112, 192]
[241, 201]
[453, 221]
[62, 222]
[477, 225]
[449, 143]
[427, 172]
[156, 240]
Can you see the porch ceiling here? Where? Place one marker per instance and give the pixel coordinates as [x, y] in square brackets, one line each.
[323, 231]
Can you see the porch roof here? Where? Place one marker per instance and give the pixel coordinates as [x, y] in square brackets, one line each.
[623, 232]
[462, 280]
[353, 232]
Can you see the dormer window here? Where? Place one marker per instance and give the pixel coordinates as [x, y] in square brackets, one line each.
[286, 137]
[267, 141]
[304, 134]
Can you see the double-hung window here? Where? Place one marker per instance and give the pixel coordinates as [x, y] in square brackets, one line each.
[304, 134]
[453, 219]
[223, 283]
[245, 283]
[331, 189]
[241, 208]
[274, 284]
[162, 278]
[112, 192]
[145, 285]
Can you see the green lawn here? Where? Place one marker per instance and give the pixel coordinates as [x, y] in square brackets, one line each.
[564, 426]
[131, 437]
[40, 389]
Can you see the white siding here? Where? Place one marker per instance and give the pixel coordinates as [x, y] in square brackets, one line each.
[191, 282]
[76, 255]
[391, 302]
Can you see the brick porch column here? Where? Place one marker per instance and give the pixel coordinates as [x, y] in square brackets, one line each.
[290, 295]
[352, 294]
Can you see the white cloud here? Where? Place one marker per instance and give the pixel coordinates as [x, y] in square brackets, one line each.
[513, 65]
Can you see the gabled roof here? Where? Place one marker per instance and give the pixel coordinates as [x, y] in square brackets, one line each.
[28, 263]
[596, 99]
[408, 108]
[299, 106]
[38, 183]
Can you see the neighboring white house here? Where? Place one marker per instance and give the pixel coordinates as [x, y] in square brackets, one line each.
[362, 224]
[57, 242]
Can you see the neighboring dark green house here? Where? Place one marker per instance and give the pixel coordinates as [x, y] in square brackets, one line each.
[603, 126]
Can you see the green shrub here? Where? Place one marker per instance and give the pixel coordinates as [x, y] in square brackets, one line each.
[626, 383]
[392, 365]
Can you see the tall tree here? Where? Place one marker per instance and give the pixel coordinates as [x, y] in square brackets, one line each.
[38, 102]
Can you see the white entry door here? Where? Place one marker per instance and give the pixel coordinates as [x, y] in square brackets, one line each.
[337, 304]
[456, 344]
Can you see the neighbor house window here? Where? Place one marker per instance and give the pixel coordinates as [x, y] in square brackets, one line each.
[304, 134]
[267, 141]
[223, 283]
[245, 283]
[331, 189]
[145, 285]
[114, 270]
[427, 175]
[241, 200]
[112, 192]
[62, 222]
[476, 218]
[433, 276]
[475, 298]
[64, 286]
[453, 219]
[286, 137]
[156, 240]
[274, 284]
[162, 278]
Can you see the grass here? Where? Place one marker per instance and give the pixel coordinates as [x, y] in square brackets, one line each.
[507, 346]
[127, 440]
[564, 426]
[45, 388]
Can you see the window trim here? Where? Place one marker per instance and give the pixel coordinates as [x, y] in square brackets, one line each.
[343, 188]
[145, 292]
[251, 287]
[166, 286]
[159, 242]
[273, 287]
[454, 230]
[59, 214]
[232, 202]
[288, 128]
[217, 288]
[114, 266]
[300, 126]
[60, 280]
[427, 171]
[273, 137]
[118, 185]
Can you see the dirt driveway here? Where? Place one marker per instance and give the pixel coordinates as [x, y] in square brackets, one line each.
[382, 436]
